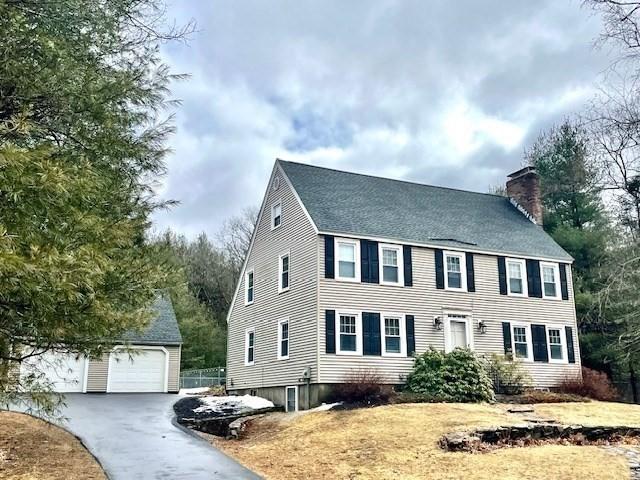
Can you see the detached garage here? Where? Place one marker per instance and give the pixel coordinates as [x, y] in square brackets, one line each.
[150, 364]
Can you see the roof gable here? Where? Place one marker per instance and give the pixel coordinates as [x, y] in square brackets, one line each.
[363, 205]
[162, 328]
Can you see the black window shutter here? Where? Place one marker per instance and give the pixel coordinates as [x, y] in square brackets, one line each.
[408, 266]
[471, 276]
[411, 336]
[330, 331]
[371, 334]
[502, 275]
[570, 349]
[329, 257]
[539, 339]
[533, 278]
[563, 282]
[506, 338]
[369, 265]
[439, 269]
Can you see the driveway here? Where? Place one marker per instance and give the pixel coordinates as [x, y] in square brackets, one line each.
[134, 438]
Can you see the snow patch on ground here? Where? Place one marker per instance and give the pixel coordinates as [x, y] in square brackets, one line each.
[193, 391]
[232, 403]
[325, 406]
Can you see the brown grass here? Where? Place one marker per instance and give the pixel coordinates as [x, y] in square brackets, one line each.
[32, 449]
[592, 413]
[400, 441]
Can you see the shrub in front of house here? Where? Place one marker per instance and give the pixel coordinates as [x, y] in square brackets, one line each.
[594, 384]
[458, 376]
[507, 375]
[363, 386]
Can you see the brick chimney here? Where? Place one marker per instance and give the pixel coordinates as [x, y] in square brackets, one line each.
[523, 186]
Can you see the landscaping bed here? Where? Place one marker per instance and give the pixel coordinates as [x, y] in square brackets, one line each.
[32, 449]
[214, 414]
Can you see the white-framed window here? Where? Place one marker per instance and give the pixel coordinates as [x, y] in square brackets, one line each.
[283, 339]
[347, 253]
[391, 264]
[458, 330]
[249, 289]
[349, 332]
[516, 277]
[291, 394]
[393, 329]
[550, 278]
[284, 265]
[455, 271]
[521, 341]
[276, 215]
[557, 344]
[249, 346]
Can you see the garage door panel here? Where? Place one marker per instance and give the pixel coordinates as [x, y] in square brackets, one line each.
[140, 371]
[64, 371]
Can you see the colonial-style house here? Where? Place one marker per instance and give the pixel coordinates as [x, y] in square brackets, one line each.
[349, 271]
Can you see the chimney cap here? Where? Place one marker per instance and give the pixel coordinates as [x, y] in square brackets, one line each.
[522, 172]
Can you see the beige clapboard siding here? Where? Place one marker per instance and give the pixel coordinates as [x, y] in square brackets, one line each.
[424, 301]
[98, 373]
[299, 304]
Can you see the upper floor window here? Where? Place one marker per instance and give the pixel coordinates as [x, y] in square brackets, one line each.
[283, 339]
[516, 278]
[550, 276]
[347, 260]
[455, 274]
[249, 346]
[276, 215]
[391, 271]
[521, 337]
[283, 272]
[349, 333]
[248, 286]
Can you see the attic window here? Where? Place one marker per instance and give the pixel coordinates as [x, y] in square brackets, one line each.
[276, 215]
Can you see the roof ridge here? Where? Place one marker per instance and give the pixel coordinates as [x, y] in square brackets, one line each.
[390, 179]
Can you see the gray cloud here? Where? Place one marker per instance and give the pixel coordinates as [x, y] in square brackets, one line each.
[446, 93]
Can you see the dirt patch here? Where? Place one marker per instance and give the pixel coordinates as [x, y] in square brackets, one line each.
[401, 441]
[32, 449]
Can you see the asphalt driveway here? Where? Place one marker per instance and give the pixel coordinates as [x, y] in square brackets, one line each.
[134, 438]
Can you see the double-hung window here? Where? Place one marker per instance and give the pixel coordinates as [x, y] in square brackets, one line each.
[391, 265]
[283, 339]
[550, 275]
[455, 277]
[276, 215]
[249, 346]
[248, 287]
[349, 328]
[522, 345]
[283, 272]
[556, 342]
[347, 260]
[393, 331]
[516, 277]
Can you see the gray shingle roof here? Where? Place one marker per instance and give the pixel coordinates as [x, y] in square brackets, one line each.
[163, 327]
[350, 203]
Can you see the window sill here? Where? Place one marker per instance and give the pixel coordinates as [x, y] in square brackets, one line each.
[390, 284]
[249, 364]
[351, 354]
[450, 289]
[284, 290]
[551, 298]
[246, 304]
[518, 295]
[346, 279]
[394, 355]
[284, 358]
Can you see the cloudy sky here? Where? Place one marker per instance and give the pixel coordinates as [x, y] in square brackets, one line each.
[440, 92]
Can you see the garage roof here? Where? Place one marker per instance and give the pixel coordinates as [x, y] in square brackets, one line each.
[162, 329]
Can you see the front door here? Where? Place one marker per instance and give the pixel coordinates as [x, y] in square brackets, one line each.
[459, 334]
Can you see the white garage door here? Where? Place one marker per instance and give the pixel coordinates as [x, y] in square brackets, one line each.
[143, 371]
[64, 371]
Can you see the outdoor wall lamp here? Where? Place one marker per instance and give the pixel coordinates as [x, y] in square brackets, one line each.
[231, 381]
[482, 327]
[437, 323]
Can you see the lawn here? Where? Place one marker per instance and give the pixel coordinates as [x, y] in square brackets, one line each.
[400, 441]
[32, 449]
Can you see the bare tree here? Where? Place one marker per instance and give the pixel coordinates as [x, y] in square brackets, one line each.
[235, 237]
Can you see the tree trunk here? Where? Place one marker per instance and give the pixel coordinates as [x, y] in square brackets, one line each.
[632, 380]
